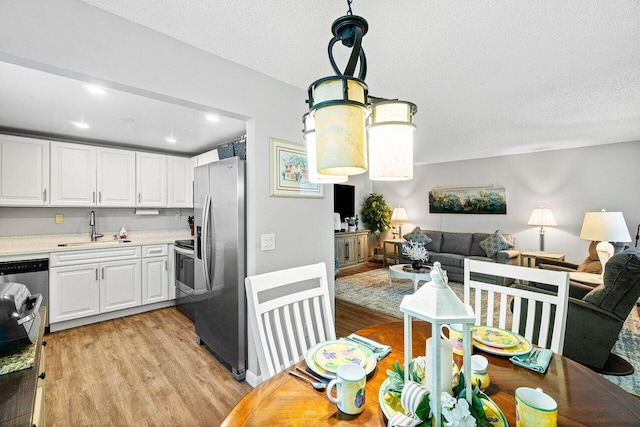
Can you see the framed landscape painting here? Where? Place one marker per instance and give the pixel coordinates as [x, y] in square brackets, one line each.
[289, 171]
[468, 200]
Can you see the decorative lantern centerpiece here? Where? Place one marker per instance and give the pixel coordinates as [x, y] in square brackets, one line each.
[437, 304]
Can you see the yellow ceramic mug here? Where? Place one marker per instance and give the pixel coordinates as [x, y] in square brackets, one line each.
[455, 337]
[534, 408]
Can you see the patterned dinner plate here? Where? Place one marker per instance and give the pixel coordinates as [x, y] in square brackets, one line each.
[523, 347]
[332, 354]
[495, 337]
[369, 365]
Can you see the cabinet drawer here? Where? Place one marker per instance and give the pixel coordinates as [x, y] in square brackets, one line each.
[154, 250]
[86, 256]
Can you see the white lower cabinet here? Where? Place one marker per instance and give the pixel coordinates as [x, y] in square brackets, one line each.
[74, 292]
[86, 283]
[120, 285]
[154, 278]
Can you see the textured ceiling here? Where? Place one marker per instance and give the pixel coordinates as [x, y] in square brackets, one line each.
[489, 77]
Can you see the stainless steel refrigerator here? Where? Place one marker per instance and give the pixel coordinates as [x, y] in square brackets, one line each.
[220, 266]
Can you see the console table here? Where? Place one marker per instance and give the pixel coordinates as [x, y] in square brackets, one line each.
[351, 247]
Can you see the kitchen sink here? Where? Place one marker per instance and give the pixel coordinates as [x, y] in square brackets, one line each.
[97, 242]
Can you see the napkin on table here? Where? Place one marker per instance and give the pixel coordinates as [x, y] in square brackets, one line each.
[540, 363]
[380, 351]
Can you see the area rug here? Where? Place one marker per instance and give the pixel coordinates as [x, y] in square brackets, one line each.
[371, 290]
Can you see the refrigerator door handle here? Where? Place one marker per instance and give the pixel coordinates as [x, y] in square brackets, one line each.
[205, 239]
[213, 246]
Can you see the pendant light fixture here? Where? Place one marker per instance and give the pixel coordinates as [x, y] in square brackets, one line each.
[353, 131]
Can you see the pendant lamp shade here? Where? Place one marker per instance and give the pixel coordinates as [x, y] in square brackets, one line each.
[339, 110]
[391, 131]
[310, 136]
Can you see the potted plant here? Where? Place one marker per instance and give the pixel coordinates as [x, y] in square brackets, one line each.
[377, 215]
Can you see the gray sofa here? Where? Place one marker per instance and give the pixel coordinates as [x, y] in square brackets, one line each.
[450, 249]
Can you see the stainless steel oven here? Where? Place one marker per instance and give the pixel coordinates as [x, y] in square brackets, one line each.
[185, 280]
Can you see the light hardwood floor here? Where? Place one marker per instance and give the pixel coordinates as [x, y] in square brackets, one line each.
[147, 370]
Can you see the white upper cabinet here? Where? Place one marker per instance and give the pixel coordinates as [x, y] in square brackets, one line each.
[180, 181]
[24, 171]
[73, 174]
[151, 180]
[116, 179]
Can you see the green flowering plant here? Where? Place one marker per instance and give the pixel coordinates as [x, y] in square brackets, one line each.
[456, 411]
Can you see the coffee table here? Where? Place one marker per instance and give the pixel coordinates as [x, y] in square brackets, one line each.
[398, 272]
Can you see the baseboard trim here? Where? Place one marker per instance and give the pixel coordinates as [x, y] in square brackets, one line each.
[74, 323]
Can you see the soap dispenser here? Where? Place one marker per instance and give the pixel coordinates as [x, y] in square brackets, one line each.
[123, 233]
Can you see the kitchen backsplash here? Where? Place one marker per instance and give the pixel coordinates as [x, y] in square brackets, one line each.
[37, 221]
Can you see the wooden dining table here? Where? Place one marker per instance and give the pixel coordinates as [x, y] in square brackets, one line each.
[584, 398]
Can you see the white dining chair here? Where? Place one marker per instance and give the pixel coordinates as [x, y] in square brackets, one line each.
[492, 303]
[289, 312]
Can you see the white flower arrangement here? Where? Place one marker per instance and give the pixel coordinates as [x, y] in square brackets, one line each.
[456, 411]
[416, 252]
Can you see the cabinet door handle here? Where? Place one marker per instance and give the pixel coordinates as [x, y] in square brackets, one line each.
[165, 265]
[100, 196]
[346, 257]
[155, 251]
[45, 194]
[96, 274]
[102, 273]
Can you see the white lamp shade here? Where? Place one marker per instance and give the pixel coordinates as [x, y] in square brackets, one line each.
[390, 138]
[605, 226]
[340, 111]
[399, 215]
[310, 137]
[542, 217]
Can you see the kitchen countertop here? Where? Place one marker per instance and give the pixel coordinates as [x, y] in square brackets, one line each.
[40, 246]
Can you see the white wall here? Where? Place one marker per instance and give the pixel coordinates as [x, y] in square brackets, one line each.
[71, 38]
[569, 182]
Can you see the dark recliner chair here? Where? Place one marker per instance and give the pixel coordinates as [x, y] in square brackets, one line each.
[595, 317]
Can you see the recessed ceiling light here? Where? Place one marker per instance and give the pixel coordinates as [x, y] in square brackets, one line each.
[126, 119]
[170, 140]
[97, 90]
[80, 125]
[213, 118]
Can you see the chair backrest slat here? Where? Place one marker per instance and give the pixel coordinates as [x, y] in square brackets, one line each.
[545, 305]
[289, 311]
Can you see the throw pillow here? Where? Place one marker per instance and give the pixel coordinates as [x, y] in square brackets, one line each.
[495, 243]
[417, 236]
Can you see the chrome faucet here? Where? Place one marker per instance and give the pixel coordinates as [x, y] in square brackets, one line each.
[92, 223]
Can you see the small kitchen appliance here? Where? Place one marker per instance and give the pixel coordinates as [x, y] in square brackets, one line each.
[19, 317]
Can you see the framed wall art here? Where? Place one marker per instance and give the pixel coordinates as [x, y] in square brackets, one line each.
[289, 171]
[468, 200]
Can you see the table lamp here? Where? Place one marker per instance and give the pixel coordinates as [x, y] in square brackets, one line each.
[399, 215]
[542, 217]
[437, 304]
[604, 227]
